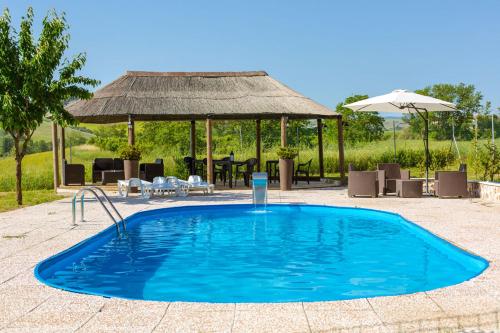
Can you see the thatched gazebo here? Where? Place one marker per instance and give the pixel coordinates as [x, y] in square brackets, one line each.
[208, 96]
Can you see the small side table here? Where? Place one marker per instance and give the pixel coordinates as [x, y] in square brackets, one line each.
[409, 188]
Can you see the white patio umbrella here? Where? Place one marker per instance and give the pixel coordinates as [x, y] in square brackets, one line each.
[403, 101]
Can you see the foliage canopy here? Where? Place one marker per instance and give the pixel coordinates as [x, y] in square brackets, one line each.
[36, 80]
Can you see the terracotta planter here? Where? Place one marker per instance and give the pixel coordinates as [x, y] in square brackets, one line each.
[286, 174]
[131, 168]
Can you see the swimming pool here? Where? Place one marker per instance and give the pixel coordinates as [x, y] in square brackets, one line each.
[232, 253]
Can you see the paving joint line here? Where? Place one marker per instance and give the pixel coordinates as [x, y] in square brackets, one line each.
[24, 314]
[90, 318]
[164, 314]
[384, 324]
[234, 318]
[305, 314]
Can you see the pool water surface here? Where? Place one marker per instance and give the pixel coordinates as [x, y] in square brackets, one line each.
[283, 253]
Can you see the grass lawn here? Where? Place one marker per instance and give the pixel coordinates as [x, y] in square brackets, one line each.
[30, 198]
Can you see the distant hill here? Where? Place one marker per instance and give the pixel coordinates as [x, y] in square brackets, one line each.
[42, 138]
[44, 132]
[398, 122]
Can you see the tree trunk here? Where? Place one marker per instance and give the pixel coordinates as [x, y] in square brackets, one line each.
[19, 191]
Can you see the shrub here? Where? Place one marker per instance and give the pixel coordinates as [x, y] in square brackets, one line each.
[486, 163]
[130, 152]
[286, 153]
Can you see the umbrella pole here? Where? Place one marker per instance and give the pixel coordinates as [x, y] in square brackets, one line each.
[394, 138]
[426, 143]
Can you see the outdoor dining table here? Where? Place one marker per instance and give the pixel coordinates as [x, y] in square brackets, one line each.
[229, 164]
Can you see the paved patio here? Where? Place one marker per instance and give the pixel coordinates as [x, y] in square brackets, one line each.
[32, 234]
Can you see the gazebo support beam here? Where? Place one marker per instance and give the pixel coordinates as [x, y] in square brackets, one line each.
[192, 141]
[257, 143]
[340, 133]
[55, 155]
[131, 130]
[210, 169]
[320, 149]
[284, 121]
[63, 144]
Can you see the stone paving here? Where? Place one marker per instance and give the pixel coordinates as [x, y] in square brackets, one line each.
[32, 234]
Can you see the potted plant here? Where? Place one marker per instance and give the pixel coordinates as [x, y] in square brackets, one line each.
[286, 156]
[130, 156]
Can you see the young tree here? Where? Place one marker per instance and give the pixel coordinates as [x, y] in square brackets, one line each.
[361, 126]
[36, 80]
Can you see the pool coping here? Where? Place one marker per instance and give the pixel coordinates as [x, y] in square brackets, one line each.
[471, 225]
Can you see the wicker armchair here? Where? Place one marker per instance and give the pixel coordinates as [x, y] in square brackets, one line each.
[362, 183]
[451, 183]
[148, 171]
[73, 174]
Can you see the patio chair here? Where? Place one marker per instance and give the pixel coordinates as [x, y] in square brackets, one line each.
[196, 183]
[222, 171]
[148, 171]
[451, 183]
[190, 164]
[362, 183]
[247, 173]
[73, 174]
[303, 169]
[387, 175]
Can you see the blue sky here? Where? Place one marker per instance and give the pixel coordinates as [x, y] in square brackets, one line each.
[326, 50]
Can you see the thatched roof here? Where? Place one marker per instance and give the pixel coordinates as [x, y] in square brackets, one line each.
[191, 96]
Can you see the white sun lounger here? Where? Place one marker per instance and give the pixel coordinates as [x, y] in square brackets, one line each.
[124, 187]
[195, 183]
[161, 186]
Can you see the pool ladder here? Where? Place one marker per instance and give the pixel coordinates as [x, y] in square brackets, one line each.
[96, 191]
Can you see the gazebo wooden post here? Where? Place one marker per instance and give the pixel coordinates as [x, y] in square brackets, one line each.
[55, 156]
[320, 149]
[284, 120]
[192, 142]
[131, 130]
[340, 131]
[257, 143]
[63, 151]
[63, 144]
[210, 169]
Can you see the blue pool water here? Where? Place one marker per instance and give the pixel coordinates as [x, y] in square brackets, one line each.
[287, 253]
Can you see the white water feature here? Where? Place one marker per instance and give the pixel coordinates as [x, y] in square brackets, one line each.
[259, 190]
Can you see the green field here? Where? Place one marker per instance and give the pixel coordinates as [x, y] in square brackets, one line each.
[37, 168]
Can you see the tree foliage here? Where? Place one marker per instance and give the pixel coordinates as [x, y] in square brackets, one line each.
[36, 79]
[467, 100]
[360, 126]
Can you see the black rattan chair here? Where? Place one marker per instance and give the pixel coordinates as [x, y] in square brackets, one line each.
[303, 169]
[247, 172]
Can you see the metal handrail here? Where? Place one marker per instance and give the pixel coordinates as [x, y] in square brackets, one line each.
[112, 206]
[92, 189]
